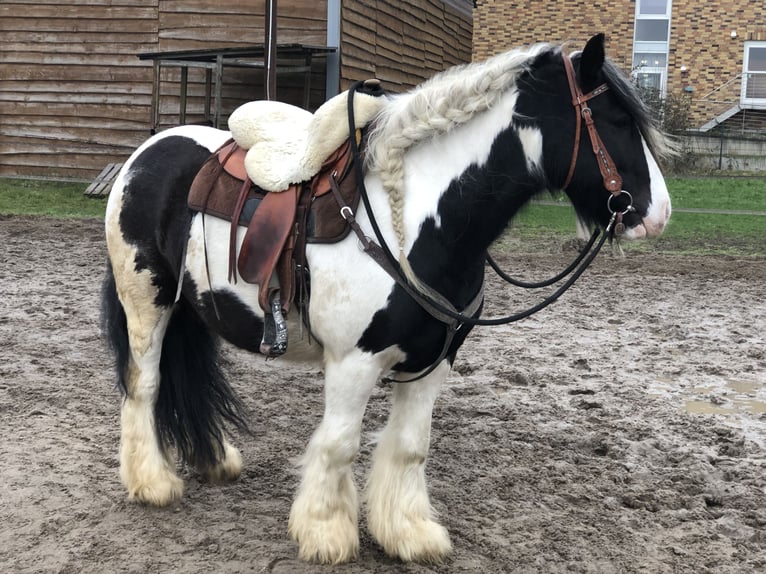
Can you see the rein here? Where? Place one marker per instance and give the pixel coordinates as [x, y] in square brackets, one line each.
[433, 302]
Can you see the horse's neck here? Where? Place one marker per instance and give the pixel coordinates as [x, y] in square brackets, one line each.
[473, 185]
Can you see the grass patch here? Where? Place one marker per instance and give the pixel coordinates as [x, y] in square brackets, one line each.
[719, 193]
[55, 199]
[688, 233]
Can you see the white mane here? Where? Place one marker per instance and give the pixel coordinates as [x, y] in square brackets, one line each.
[445, 101]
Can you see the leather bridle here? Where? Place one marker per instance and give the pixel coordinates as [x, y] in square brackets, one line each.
[609, 174]
[431, 301]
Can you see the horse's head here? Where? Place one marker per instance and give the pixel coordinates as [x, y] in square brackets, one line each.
[599, 140]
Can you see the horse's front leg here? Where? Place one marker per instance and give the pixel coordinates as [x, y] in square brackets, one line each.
[399, 513]
[323, 519]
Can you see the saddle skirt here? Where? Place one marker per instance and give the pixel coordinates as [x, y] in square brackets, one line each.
[286, 145]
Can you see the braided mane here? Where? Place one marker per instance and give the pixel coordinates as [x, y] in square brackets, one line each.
[447, 100]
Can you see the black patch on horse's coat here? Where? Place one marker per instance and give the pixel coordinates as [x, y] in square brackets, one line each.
[450, 258]
[234, 320]
[545, 102]
[154, 214]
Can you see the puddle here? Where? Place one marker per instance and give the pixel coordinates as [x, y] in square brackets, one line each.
[742, 403]
[732, 397]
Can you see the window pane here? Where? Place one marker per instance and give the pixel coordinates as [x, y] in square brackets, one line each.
[756, 86]
[756, 60]
[651, 31]
[653, 6]
[651, 81]
[649, 60]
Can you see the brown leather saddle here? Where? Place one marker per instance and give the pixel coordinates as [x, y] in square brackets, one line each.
[279, 225]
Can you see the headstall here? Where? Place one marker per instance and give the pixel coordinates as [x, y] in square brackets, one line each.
[609, 174]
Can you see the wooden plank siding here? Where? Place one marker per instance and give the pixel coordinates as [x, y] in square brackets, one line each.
[401, 43]
[74, 97]
[200, 24]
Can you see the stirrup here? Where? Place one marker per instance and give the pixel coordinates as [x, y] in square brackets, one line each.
[274, 341]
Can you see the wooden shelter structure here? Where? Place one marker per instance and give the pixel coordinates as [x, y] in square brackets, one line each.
[76, 96]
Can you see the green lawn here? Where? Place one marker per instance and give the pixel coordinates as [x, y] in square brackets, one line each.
[700, 233]
[38, 197]
[719, 193]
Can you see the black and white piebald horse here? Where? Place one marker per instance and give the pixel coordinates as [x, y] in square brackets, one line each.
[447, 167]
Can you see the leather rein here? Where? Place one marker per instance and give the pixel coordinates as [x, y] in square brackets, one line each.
[433, 302]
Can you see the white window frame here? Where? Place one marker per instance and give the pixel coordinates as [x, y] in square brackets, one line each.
[744, 100]
[653, 47]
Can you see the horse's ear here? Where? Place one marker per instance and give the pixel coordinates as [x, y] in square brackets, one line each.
[592, 58]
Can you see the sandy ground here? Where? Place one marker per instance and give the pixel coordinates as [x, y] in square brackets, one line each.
[621, 430]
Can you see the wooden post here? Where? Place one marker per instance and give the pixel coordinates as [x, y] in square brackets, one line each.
[270, 51]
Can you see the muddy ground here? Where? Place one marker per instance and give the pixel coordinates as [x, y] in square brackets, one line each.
[621, 430]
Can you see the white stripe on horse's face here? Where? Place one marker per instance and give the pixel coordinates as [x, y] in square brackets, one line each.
[658, 214]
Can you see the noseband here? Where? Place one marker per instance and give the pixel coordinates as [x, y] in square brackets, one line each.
[609, 174]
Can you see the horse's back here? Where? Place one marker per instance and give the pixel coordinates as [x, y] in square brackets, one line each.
[157, 177]
[147, 206]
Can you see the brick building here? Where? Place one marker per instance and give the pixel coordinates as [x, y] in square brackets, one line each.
[712, 52]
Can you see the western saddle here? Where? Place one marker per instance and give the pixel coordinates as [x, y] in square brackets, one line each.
[280, 222]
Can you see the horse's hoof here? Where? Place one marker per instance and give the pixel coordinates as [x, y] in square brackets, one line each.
[161, 491]
[418, 540]
[331, 541]
[228, 468]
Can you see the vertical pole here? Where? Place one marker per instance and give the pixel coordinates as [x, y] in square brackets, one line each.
[184, 89]
[332, 85]
[720, 151]
[155, 109]
[218, 89]
[270, 51]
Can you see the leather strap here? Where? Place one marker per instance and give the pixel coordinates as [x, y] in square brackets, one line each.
[243, 191]
[609, 174]
[266, 239]
[376, 252]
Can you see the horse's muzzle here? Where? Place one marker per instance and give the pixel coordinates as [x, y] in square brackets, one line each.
[653, 224]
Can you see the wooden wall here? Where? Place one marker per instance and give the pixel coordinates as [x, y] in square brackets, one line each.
[199, 24]
[401, 43]
[74, 96]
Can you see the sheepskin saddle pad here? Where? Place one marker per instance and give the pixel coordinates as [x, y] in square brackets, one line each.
[287, 145]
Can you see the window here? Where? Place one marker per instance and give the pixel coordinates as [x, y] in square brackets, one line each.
[653, 7]
[652, 30]
[754, 74]
[651, 42]
[649, 59]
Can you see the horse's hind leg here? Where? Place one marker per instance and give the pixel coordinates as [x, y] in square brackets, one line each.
[399, 513]
[147, 471]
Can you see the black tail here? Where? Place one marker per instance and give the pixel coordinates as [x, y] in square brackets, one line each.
[114, 327]
[195, 399]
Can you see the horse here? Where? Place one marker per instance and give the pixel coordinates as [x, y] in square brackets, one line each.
[447, 167]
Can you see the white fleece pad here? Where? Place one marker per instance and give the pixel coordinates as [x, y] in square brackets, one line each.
[286, 144]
